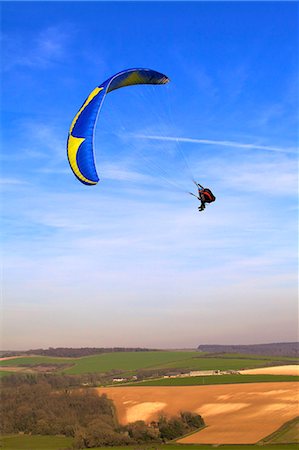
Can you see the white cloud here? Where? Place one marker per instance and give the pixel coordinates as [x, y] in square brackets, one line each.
[231, 144]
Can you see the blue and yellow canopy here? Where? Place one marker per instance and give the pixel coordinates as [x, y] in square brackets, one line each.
[80, 149]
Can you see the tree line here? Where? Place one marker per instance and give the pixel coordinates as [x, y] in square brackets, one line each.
[43, 405]
[66, 352]
[289, 349]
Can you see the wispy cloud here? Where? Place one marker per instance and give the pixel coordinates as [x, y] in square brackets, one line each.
[232, 144]
[12, 181]
[37, 147]
[276, 177]
[117, 173]
[47, 47]
[143, 257]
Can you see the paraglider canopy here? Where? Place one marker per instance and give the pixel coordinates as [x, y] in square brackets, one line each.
[80, 148]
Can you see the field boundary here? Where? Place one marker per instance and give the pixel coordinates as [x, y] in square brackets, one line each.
[280, 431]
[208, 380]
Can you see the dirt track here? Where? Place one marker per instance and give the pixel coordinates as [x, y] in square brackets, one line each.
[7, 358]
[234, 414]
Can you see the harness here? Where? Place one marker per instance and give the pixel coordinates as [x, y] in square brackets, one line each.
[204, 194]
[208, 194]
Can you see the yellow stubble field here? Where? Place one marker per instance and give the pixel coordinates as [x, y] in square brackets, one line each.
[233, 413]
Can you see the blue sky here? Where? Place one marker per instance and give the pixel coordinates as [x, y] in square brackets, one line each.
[131, 262]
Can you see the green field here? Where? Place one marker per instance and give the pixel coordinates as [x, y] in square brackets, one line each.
[221, 363]
[133, 361]
[130, 362]
[213, 379]
[27, 442]
[289, 432]
[35, 360]
[282, 359]
[4, 373]
[106, 362]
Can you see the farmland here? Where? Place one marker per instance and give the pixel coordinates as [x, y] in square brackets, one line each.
[288, 432]
[34, 360]
[226, 409]
[131, 362]
[231, 399]
[215, 379]
[128, 363]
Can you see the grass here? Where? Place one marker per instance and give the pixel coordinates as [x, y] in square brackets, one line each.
[4, 373]
[213, 379]
[28, 442]
[288, 432]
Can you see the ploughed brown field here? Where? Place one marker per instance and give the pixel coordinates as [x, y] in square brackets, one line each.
[233, 413]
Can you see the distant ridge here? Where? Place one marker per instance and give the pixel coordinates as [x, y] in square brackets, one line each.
[275, 349]
[69, 352]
